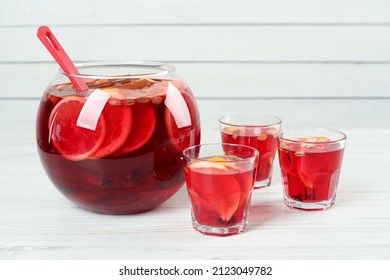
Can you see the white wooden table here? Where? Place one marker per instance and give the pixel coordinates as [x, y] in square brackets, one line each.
[313, 63]
[37, 222]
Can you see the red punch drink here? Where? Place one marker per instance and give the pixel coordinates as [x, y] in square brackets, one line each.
[256, 131]
[117, 148]
[225, 199]
[219, 188]
[264, 140]
[311, 168]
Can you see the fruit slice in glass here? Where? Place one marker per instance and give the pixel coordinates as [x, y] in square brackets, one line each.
[223, 192]
[180, 116]
[142, 128]
[74, 142]
[118, 119]
[310, 167]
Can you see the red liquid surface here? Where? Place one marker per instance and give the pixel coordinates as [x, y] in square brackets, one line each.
[264, 140]
[310, 173]
[219, 197]
[132, 161]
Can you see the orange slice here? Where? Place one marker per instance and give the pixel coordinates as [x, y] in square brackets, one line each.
[142, 128]
[265, 165]
[234, 131]
[227, 206]
[217, 159]
[315, 139]
[220, 163]
[206, 166]
[313, 142]
[223, 193]
[73, 142]
[118, 119]
[262, 137]
[135, 84]
[183, 137]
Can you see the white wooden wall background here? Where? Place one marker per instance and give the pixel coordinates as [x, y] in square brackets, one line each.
[261, 50]
[267, 48]
[311, 62]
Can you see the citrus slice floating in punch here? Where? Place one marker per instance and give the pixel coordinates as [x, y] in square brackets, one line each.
[224, 193]
[182, 120]
[142, 128]
[74, 142]
[118, 119]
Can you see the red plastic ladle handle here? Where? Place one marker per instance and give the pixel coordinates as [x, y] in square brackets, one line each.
[54, 47]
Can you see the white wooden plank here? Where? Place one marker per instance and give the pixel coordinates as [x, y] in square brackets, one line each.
[213, 80]
[204, 43]
[191, 11]
[170, 235]
[360, 218]
[336, 114]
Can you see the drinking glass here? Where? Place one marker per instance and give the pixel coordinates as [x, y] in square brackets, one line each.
[257, 131]
[220, 179]
[310, 162]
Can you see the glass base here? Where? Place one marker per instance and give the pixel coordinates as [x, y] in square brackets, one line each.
[220, 231]
[262, 184]
[320, 205]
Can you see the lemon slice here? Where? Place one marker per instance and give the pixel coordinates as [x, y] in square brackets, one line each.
[233, 131]
[208, 164]
[315, 139]
[218, 162]
[262, 137]
[217, 158]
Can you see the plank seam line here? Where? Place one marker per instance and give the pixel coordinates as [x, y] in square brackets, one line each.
[7, 62]
[210, 24]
